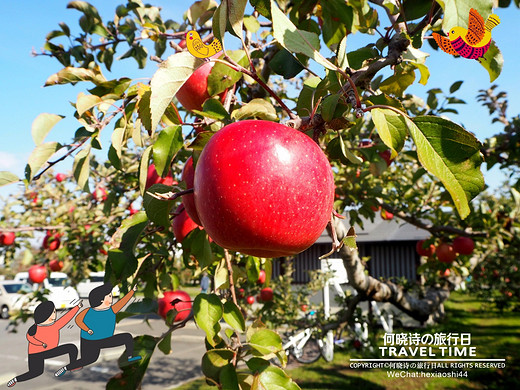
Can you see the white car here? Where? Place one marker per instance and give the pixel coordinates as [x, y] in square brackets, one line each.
[61, 293]
[13, 296]
[94, 280]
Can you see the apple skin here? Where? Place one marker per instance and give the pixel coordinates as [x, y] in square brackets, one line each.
[263, 189]
[56, 265]
[463, 245]
[261, 277]
[445, 253]
[266, 294]
[165, 304]
[188, 176]
[182, 224]
[422, 251]
[250, 300]
[60, 177]
[37, 273]
[7, 238]
[304, 307]
[153, 177]
[387, 215]
[386, 155]
[194, 92]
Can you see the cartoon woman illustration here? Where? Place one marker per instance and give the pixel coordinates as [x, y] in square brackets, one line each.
[44, 337]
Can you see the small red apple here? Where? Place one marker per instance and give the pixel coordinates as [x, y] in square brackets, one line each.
[240, 293]
[263, 189]
[188, 176]
[357, 344]
[387, 215]
[463, 245]
[132, 210]
[183, 307]
[508, 294]
[445, 253]
[375, 208]
[266, 294]
[182, 44]
[7, 238]
[424, 250]
[56, 265]
[304, 307]
[182, 224]
[60, 177]
[261, 277]
[100, 194]
[250, 299]
[37, 273]
[445, 273]
[194, 92]
[386, 155]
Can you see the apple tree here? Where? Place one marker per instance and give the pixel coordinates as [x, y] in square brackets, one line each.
[248, 154]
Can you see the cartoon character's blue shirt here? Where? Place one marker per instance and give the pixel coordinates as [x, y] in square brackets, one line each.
[102, 322]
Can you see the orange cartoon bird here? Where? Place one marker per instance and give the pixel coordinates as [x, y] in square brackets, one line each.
[198, 48]
[472, 43]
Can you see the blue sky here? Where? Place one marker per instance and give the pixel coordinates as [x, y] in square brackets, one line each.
[24, 24]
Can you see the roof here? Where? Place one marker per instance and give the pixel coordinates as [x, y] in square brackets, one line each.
[381, 230]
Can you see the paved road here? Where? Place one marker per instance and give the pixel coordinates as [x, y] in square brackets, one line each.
[164, 371]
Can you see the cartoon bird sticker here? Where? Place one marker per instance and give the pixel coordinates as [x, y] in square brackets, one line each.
[472, 43]
[198, 48]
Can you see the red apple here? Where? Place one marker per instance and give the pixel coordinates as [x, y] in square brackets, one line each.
[424, 250]
[386, 155]
[266, 294]
[132, 210]
[357, 344]
[387, 215]
[463, 245]
[182, 44]
[261, 277]
[250, 299]
[375, 208]
[304, 307]
[56, 265]
[188, 175]
[100, 194]
[7, 238]
[445, 273]
[153, 178]
[183, 307]
[445, 253]
[60, 177]
[240, 293]
[182, 224]
[194, 92]
[263, 189]
[37, 273]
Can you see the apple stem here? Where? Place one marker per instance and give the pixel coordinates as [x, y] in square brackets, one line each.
[336, 244]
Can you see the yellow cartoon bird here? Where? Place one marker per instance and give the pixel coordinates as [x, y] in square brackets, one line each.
[198, 48]
[472, 43]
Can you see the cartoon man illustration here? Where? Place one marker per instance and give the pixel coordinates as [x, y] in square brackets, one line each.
[97, 325]
[44, 337]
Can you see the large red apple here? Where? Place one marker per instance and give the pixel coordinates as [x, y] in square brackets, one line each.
[183, 308]
[266, 294]
[153, 177]
[182, 224]
[7, 238]
[424, 250]
[188, 176]
[261, 277]
[445, 253]
[56, 265]
[37, 273]
[463, 245]
[194, 92]
[263, 189]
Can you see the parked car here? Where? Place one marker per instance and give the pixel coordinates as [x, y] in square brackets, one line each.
[13, 296]
[94, 280]
[61, 293]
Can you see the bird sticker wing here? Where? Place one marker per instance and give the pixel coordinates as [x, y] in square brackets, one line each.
[476, 28]
[200, 48]
[445, 44]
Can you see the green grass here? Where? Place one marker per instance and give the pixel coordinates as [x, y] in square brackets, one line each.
[495, 334]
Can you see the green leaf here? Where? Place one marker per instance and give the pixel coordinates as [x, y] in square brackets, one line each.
[86, 102]
[208, 310]
[263, 7]
[455, 86]
[143, 169]
[265, 342]
[213, 109]
[398, 83]
[220, 21]
[7, 178]
[199, 9]
[350, 239]
[456, 12]
[274, 378]
[252, 24]
[74, 75]
[493, 61]
[197, 245]
[452, 154]
[201, 140]
[165, 345]
[424, 71]
[236, 10]
[228, 378]
[42, 125]
[391, 127]
[39, 156]
[341, 54]
[158, 210]
[222, 76]
[168, 144]
[357, 57]
[294, 40]
[256, 108]
[328, 106]
[167, 80]
[117, 143]
[214, 361]
[143, 110]
[385, 100]
[308, 98]
[336, 149]
[81, 168]
[337, 20]
[233, 316]
[221, 277]
[284, 64]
